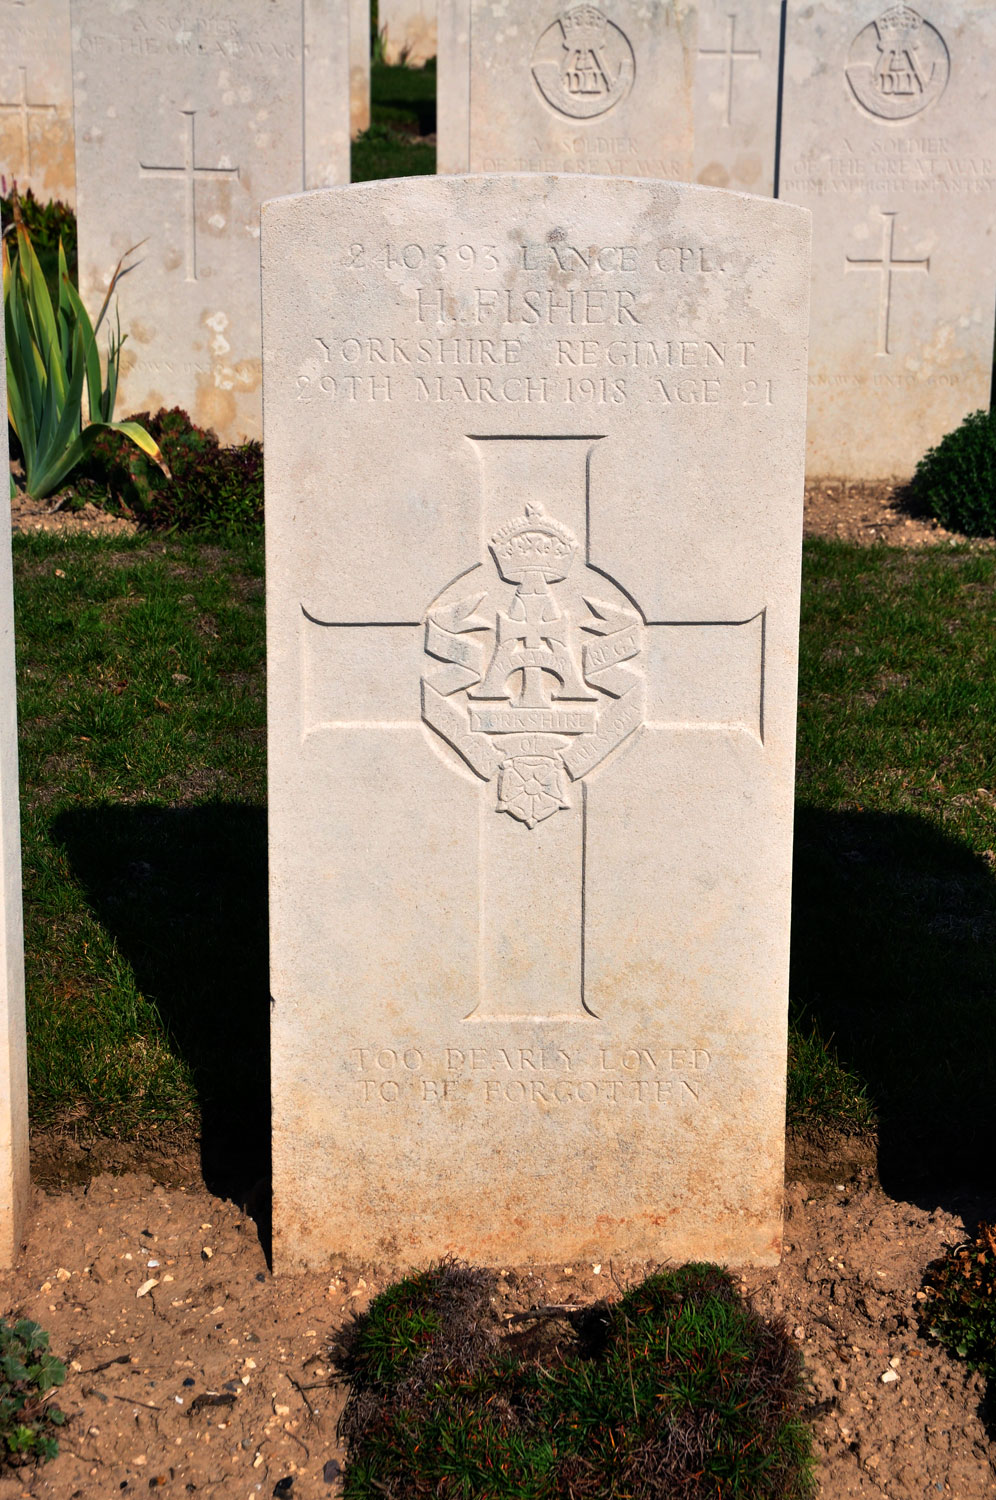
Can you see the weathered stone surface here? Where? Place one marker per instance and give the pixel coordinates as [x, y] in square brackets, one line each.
[736, 94]
[186, 122]
[36, 99]
[534, 496]
[889, 136]
[409, 29]
[568, 88]
[14, 1183]
[359, 66]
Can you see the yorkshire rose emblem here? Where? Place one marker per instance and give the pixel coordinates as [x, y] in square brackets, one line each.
[583, 64]
[531, 787]
[532, 677]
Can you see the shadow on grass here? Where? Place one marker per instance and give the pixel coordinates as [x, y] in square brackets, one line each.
[894, 955]
[183, 893]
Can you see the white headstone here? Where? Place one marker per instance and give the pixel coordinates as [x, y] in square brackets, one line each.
[889, 136]
[409, 30]
[534, 490]
[736, 94]
[567, 87]
[14, 1181]
[36, 99]
[359, 66]
[186, 122]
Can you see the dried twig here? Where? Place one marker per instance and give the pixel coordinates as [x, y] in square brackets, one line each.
[302, 1390]
[545, 1310]
[88, 1390]
[120, 1359]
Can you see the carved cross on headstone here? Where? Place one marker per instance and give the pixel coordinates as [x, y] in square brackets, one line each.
[886, 265]
[730, 56]
[25, 109]
[190, 174]
[537, 669]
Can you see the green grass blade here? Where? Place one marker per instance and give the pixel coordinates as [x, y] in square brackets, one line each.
[36, 287]
[91, 354]
[23, 391]
[142, 439]
[60, 445]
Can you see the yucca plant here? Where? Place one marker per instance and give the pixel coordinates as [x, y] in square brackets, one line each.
[52, 356]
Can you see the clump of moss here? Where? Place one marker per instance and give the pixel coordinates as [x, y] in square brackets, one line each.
[960, 1310]
[679, 1388]
[28, 1373]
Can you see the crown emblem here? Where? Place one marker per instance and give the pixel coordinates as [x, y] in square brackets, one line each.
[534, 543]
[898, 24]
[583, 20]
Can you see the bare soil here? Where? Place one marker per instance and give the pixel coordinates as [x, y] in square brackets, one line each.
[193, 1371]
[852, 510]
[873, 511]
[28, 515]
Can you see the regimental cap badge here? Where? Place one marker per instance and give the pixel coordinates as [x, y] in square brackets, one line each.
[583, 20]
[899, 24]
[534, 543]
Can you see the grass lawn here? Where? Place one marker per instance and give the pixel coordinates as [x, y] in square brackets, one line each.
[141, 678]
[402, 106]
[894, 919]
[141, 667]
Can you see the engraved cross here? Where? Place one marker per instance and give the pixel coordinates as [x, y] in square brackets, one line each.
[189, 174]
[694, 676]
[886, 265]
[731, 56]
[26, 109]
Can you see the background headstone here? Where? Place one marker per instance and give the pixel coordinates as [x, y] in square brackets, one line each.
[359, 66]
[36, 99]
[13, 1065]
[889, 136]
[409, 30]
[567, 87]
[534, 495]
[736, 94]
[184, 124]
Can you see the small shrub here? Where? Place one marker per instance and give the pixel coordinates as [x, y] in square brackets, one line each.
[211, 488]
[960, 1311]
[28, 1373]
[679, 1388]
[49, 224]
[956, 481]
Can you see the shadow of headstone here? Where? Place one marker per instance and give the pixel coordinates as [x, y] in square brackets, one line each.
[894, 956]
[183, 893]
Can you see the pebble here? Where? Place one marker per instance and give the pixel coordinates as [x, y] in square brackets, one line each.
[888, 1377]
